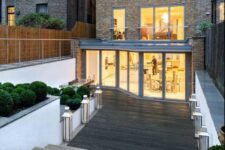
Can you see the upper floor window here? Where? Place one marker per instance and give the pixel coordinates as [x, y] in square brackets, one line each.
[11, 15]
[119, 31]
[42, 8]
[221, 10]
[162, 23]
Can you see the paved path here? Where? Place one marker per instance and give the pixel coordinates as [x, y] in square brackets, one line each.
[126, 123]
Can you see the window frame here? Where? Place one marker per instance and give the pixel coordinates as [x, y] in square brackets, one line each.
[14, 13]
[169, 16]
[41, 4]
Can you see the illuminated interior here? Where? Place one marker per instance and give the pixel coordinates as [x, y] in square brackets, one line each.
[166, 25]
[108, 68]
[147, 24]
[153, 75]
[133, 73]
[123, 70]
[221, 9]
[11, 16]
[92, 65]
[175, 76]
[119, 24]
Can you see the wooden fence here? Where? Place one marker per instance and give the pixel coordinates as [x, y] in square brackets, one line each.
[18, 44]
[214, 55]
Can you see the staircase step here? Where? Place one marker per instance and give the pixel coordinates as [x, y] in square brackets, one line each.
[61, 147]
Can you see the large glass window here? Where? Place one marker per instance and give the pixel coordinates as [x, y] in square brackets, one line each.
[119, 24]
[123, 70]
[153, 75]
[42, 8]
[11, 15]
[146, 23]
[175, 76]
[162, 23]
[177, 23]
[134, 69]
[221, 12]
[92, 65]
[108, 68]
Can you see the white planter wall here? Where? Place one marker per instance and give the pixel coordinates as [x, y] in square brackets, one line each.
[207, 118]
[76, 119]
[38, 128]
[54, 73]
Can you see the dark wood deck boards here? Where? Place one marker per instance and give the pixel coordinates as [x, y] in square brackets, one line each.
[126, 123]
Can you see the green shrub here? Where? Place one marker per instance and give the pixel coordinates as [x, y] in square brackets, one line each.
[217, 147]
[24, 86]
[40, 89]
[28, 98]
[77, 96]
[83, 90]
[64, 99]
[74, 103]
[8, 87]
[16, 99]
[68, 91]
[18, 90]
[204, 25]
[41, 20]
[6, 103]
[53, 91]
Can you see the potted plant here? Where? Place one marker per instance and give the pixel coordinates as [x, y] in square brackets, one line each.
[221, 134]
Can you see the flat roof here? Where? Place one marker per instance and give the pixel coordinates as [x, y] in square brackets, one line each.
[137, 45]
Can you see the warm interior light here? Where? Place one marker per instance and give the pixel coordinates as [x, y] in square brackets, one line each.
[165, 18]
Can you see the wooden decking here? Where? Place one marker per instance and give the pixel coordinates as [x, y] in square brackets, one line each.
[126, 123]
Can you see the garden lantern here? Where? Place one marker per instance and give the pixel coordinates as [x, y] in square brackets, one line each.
[85, 109]
[193, 104]
[98, 95]
[203, 139]
[67, 124]
[197, 121]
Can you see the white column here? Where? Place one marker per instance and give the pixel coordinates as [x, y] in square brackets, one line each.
[4, 12]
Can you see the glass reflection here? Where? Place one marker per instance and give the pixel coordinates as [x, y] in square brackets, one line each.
[134, 67]
[123, 70]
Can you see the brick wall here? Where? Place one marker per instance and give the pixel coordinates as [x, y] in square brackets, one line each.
[195, 11]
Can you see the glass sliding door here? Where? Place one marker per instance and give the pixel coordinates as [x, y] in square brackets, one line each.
[161, 23]
[134, 72]
[153, 75]
[108, 68]
[175, 76]
[119, 24]
[177, 23]
[146, 24]
[92, 65]
[123, 70]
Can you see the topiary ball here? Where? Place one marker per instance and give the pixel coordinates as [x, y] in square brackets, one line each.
[68, 91]
[16, 99]
[83, 90]
[9, 87]
[6, 103]
[56, 91]
[18, 90]
[74, 104]
[24, 86]
[77, 96]
[63, 99]
[40, 89]
[28, 98]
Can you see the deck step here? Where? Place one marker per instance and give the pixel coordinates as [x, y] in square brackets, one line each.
[61, 147]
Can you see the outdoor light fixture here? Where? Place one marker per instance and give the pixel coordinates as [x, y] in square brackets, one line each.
[197, 121]
[67, 124]
[85, 109]
[193, 104]
[98, 95]
[203, 139]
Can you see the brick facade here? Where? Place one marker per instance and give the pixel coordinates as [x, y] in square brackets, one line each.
[195, 11]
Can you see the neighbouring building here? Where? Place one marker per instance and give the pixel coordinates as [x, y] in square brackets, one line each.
[217, 11]
[145, 48]
[69, 11]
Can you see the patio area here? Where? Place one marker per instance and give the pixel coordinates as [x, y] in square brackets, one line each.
[126, 123]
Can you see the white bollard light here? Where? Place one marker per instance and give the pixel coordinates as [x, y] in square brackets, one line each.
[203, 139]
[197, 121]
[67, 124]
[193, 103]
[85, 109]
[98, 96]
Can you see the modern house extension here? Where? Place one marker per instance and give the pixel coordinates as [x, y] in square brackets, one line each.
[144, 47]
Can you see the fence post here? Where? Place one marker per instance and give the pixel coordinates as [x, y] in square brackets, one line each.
[19, 51]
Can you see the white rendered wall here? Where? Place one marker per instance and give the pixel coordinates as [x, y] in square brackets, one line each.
[53, 74]
[38, 128]
[207, 118]
[76, 119]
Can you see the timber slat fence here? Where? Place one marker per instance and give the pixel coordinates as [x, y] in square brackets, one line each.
[214, 55]
[18, 44]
